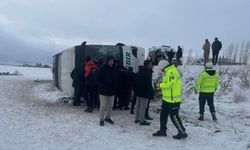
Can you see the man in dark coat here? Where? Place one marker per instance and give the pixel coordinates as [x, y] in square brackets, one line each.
[170, 56]
[144, 91]
[91, 84]
[108, 82]
[125, 88]
[78, 83]
[216, 47]
[179, 55]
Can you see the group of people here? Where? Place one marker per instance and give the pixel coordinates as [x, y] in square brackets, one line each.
[106, 86]
[216, 47]
[107, 82]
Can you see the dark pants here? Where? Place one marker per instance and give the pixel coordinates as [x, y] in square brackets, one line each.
[209, 98]
[91, 96]
[173, 111]
[170, 60]
[124, 100]
[215, 58]
[133, 103]
[147, 109]
[77, 95]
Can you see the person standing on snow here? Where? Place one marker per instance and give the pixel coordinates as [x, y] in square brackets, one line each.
[107, 79]
[77, 76]
[91, 84]
[171, 92]
[216, 47]
[179, 54]
[144, 91]
[206, 48]
[207, 84]
[170, 56]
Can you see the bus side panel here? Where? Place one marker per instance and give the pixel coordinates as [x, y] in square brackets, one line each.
[127, 57]
[141, 56]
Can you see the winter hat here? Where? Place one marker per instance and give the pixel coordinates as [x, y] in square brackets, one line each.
[209, 65]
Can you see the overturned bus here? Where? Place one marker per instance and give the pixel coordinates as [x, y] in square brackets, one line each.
[63, 63]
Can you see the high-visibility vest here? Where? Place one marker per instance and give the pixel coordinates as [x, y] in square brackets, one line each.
[171, 85]
[207, 83]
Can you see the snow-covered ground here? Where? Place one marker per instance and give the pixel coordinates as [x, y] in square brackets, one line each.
[32, 117]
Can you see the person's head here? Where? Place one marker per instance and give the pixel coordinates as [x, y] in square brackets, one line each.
[148, 64]
[110, 61]
[179, 47]
[88, 58]
[206, 40]
[209, 65]
[216, 39]
[175, 63]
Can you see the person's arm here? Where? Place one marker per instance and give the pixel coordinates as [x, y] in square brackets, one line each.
[72, 74]
[198, 82]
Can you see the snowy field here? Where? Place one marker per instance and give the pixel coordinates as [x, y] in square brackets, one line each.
[33, 119]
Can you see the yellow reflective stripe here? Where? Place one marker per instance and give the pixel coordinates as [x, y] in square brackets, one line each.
[172, 97]
[206, 87]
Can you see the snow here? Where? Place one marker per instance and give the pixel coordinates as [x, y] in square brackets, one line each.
[32, 118]
[29, 72]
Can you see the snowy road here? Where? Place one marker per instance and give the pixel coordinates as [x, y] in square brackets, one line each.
[31, 119]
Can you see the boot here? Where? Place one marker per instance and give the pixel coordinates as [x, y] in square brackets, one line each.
[145, 123]
[148, 118]
[201, 118]
[137, 121]
[180, 136]
[109, 120]
[89, 110]
[214, 118]
[126, 108]
[101, 123]
[160, 133]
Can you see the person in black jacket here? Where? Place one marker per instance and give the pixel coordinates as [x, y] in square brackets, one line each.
[170, 56]
[179, 55]
[107, 79]
[77, 76]
[144, 91]
[216, 47]
[91, 84]
[125, 88]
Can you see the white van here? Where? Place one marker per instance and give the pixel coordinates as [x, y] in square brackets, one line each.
[156, 54]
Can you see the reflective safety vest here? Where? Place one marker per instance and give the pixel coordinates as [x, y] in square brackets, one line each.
[171, 85]
[207, 83]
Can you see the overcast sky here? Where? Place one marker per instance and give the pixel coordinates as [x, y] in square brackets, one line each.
[40, 28]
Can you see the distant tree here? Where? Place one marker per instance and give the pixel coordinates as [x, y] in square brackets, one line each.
[236, 52]
[246, 53]
[190, 57]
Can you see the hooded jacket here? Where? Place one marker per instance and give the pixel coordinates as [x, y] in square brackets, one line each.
[89, 65]
[207, 81]
[91, 74]
[216, 46]
[143, 83]
[108, 79]
[77, 76]
[171, 85]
